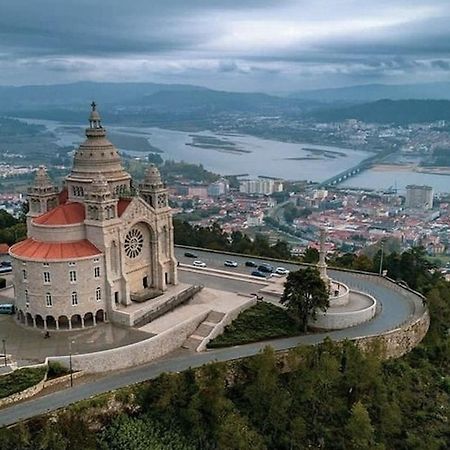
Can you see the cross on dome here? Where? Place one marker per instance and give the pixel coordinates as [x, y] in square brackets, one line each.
[94, 118]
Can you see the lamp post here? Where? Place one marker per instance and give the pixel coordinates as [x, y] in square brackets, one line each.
[70, 363]
[381, 258]
[4, 350]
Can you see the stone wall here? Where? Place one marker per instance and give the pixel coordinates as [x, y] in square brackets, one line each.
[134, 354]
[400, 341]
[330, 320]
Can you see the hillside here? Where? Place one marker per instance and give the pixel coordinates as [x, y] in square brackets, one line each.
[373, 92]
[399, 112]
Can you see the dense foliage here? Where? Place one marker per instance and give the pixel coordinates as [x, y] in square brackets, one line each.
[260, 322]
[12, 230]
[214, 238]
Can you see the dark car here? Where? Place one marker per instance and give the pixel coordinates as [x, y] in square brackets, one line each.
[266, 268]
[190, 255]
[257, 273]
[251, 264]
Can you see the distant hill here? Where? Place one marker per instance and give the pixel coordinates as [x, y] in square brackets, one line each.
[372, 92]
[81, 93]
[389, 111]
[69, 101]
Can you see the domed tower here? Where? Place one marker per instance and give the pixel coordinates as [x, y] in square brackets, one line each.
[96, 155]
[99, 201]
[153, 190]
[43, 195]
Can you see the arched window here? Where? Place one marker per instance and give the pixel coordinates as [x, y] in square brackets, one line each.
[74, 298]
[48, 299]
[98, 294]
[24, 274]
[27, 298]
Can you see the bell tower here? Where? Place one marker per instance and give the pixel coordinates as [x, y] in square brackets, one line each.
[42, 195]
[153, 190]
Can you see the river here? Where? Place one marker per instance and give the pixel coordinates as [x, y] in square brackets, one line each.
[252, 155]
[256, 156]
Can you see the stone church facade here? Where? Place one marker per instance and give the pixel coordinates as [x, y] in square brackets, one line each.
[97, 245]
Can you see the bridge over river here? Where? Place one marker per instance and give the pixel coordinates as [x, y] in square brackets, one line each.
[355, 170]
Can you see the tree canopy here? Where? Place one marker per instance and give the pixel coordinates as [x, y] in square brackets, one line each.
[304, 294]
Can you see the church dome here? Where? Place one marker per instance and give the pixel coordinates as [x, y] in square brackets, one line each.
[152, 175]
[97, 155]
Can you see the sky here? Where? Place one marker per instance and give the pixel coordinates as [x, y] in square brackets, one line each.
[247, 45]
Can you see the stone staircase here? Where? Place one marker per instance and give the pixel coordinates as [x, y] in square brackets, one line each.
[203, 330]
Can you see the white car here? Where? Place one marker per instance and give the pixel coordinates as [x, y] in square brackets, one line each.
[281, 271]
[229, 263]
[199, 263]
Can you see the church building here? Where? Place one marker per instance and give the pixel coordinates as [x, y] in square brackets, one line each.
[98, 244]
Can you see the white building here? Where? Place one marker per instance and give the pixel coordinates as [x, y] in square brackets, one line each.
[260, 186]
[419, 197]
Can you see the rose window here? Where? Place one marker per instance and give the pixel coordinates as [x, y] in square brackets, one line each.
[134, 241]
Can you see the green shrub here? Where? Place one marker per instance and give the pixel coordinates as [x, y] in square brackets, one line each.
[260, 322]
[56, 369]
[21, 379]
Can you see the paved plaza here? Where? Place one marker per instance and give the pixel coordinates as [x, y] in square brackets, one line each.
[27, 344]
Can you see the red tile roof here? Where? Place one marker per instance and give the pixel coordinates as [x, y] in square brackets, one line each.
[29, 248]
[63, 195]
[65, 214]
[122, 205]
[4, 249]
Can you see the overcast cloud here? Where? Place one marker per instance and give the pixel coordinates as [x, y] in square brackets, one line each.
[253, 45]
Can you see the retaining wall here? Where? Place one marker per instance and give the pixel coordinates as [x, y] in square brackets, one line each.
[226, 320]
[339, 320]
[134, 354]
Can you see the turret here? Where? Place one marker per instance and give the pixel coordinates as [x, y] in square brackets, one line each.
[42, 195]
[99, 201]
[153, 190]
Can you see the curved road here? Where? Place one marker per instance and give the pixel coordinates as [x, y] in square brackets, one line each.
[396, 308]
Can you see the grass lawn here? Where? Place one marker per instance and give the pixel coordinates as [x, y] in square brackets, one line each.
[19, 380]
[258, 323]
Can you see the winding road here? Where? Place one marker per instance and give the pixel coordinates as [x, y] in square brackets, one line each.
[397, 307]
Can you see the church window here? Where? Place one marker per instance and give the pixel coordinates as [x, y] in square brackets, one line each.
[48, 299]
[46, 264]
[71, 264]
[74, 297]
[46, 277]
[98, 294]
[134, 242]
[97, 272]
[24, 274]
[27, 298]
[73, 276]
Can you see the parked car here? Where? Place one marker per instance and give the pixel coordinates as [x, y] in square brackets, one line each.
[229, 263]
[267, 268]
[251, 264]
[190, 255]
[257, 273]
[281, 271]
[7, 308]
[199, 263]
